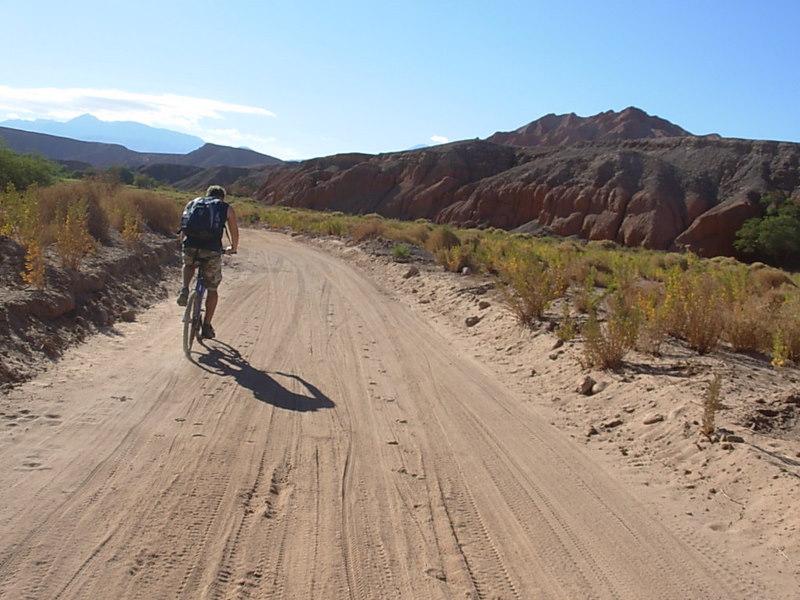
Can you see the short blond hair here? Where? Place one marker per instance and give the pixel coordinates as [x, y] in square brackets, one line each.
[215, 191]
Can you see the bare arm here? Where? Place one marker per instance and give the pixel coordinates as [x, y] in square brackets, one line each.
[233, 229]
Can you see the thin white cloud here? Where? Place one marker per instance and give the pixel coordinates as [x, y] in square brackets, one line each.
[439, 139]
[157, 110]
[234, 137]
[237, 139]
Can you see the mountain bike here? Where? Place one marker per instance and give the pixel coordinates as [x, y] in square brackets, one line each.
[193, 315]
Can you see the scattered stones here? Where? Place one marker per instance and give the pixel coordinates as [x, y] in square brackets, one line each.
[585, 386]
[599, 387]
[613, 423]
[592, 431]
[774, 415]
[558, 344]
[412, 271]
[653, 419]
[472, 321]
[129, 316]
[483, 304]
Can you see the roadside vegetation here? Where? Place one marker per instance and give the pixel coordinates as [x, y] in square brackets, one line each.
[70, 219]
[613, 299]
[773, 238]
[22, 170]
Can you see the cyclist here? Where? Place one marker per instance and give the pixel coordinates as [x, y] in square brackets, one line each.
[207, 254]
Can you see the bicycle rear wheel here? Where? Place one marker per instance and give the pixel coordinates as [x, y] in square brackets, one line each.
[191, 322]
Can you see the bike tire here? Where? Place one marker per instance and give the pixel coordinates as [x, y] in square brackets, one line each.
[190, 323]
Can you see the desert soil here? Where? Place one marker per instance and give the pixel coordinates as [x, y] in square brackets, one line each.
[349, 436]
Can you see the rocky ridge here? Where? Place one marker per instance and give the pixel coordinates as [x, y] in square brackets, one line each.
[566, 130]
[659, 192]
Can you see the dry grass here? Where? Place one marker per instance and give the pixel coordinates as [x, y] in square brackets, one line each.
[74, 217]
[156, 212]
[530, 285]
[712, 402]
[442, 238]
[606, 344]
[368, 229]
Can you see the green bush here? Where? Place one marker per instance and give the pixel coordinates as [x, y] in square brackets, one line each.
[120, 174]
[143, 181]
[775, 237]
[21, 171]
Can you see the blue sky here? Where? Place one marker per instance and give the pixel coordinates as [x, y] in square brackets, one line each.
[313, 78]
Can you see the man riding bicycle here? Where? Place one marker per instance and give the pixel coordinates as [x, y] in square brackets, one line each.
[204, 249]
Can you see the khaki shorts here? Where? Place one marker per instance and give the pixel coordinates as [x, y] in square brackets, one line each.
[210, 262]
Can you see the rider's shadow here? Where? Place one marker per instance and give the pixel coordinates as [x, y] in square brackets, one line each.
[223, 359]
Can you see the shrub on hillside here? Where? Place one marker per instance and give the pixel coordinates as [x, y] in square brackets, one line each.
[73, 240]
[120, 174]
[368, 229]
[157, 212]
[456, 258]
[606, 344]
[22, 171]
[143, 181]
[56, 199]
[442, 238]
[693, 308]
[530, 284]
[775, 237]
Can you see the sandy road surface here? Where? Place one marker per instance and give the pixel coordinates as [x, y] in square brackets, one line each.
[329, 445]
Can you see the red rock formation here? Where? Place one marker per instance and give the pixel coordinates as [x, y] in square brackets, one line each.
[565, 130]
[666, 193]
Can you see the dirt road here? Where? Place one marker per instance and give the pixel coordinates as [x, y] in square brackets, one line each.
[329, 445]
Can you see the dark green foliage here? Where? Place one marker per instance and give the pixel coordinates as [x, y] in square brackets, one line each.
[121, 175]
[775, 237]
[144, 181]
[22, 171]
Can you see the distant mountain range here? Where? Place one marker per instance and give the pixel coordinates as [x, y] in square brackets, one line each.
[134, 136]
[102, 155]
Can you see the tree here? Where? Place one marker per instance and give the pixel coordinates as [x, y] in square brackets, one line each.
[144, 181]
[22, 170]
[775, 237]
[121, 174]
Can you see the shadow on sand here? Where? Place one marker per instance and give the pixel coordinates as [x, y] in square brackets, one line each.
[224, 360]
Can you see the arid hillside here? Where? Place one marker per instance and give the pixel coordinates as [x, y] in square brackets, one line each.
[658, 192]
[103, 155]
[565, 130]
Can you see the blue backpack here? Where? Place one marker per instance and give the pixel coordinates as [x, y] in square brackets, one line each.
[204, 218]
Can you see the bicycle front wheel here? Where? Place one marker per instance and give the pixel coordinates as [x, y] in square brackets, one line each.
[191, 322]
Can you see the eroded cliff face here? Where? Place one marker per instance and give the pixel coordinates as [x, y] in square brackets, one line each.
[660, 193]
